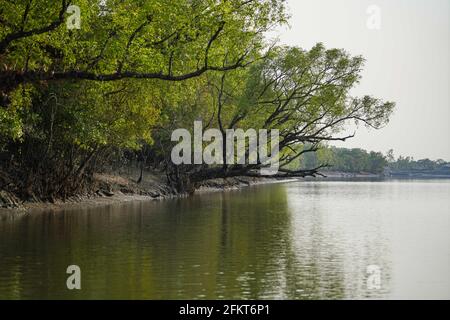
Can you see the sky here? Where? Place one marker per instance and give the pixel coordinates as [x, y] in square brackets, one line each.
[406, 47]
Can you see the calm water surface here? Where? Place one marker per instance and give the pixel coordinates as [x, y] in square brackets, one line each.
[300, 240]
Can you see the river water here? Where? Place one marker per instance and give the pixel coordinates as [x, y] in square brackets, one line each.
[297, 240]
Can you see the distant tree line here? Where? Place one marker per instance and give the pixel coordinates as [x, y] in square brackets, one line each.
[357, 160]
[409, 164]
[354, 160]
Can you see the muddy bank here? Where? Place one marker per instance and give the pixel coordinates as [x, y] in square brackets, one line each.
[122, 187]
[114, 188]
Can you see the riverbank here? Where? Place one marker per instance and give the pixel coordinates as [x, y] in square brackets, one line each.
[122, 187]
[118, 188]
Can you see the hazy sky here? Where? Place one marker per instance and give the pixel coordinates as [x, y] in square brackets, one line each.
[407, 62]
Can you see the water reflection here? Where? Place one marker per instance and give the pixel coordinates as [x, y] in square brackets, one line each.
[335, 241]
[285, 241]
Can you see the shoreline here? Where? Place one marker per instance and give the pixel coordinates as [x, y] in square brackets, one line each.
[116, 189]
[120, 188]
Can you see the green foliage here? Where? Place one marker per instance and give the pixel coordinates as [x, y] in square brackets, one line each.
[409, 164]
[155, 39]
[305, 94]
[358, 160]
[345, 160]
[136, 70]
[90, 114]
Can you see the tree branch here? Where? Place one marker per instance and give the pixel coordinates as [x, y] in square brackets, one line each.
[6, 41]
